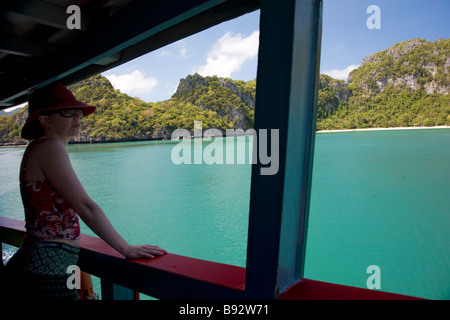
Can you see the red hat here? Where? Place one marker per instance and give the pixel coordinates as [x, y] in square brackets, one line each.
[52, 97]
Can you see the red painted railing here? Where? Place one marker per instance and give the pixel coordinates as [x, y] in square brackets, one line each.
[178, 277]
[307, 289]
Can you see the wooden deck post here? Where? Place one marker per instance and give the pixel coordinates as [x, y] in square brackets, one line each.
[288, 71]
[112, 291]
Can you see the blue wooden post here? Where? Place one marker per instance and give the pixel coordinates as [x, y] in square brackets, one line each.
[288, 70]
[112, 291]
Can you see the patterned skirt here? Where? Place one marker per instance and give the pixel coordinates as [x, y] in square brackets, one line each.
[40, 271]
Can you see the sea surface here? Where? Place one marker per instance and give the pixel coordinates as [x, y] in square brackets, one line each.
[378, 198]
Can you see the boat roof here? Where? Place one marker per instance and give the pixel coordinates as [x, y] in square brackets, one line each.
[45, 41]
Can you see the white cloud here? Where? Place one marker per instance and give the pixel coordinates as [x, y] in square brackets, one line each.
[340, 73]
[229, 53]
[165, 53]
[133, 83]
[170, 89]
[16, 107]
[183, 53]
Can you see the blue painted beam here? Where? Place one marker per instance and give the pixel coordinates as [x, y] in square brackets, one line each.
[300, 141]
[288, 65]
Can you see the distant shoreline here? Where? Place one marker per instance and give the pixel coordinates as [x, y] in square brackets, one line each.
[11, 145]
[383, 129]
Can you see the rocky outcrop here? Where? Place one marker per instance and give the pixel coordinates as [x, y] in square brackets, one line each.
[227, 97]
[192, 81]
[415, 64]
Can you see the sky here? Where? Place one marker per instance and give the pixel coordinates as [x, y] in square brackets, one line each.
[230, 48]
[346, 39]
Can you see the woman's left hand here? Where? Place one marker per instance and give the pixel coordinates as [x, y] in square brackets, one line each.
[143, 252]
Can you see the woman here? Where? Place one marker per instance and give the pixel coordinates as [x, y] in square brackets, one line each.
[54, 198]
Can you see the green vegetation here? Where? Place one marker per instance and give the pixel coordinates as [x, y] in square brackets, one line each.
[418, 61]
[404, 85]
[394, 107]
[219, 103]
[11, 126]
[120, 117]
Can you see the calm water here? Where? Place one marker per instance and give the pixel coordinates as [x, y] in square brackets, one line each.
[378, 198]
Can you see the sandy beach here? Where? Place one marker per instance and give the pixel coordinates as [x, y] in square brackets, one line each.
[381, 129]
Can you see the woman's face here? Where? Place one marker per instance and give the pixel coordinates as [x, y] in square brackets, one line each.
[64, 124]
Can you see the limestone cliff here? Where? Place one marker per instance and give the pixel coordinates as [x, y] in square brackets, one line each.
[231, 99]
[415, 64]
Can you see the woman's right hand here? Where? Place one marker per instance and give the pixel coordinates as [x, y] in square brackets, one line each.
[143, 252]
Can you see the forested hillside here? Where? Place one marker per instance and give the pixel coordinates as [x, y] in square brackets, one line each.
[217, 102]
[121, 117]
[405, 85]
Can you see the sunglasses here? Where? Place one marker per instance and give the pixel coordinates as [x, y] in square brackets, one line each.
[68, 113]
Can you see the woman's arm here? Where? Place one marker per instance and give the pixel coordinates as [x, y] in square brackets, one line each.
[55, 165]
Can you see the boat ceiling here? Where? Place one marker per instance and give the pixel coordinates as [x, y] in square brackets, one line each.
[37, 46]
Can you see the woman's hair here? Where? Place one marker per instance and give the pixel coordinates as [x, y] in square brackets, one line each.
[36, 129]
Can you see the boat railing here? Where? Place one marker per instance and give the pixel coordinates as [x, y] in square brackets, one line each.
[174, 276]
[167, 277]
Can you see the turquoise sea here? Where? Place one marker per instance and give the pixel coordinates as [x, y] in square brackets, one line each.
[378, 198]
